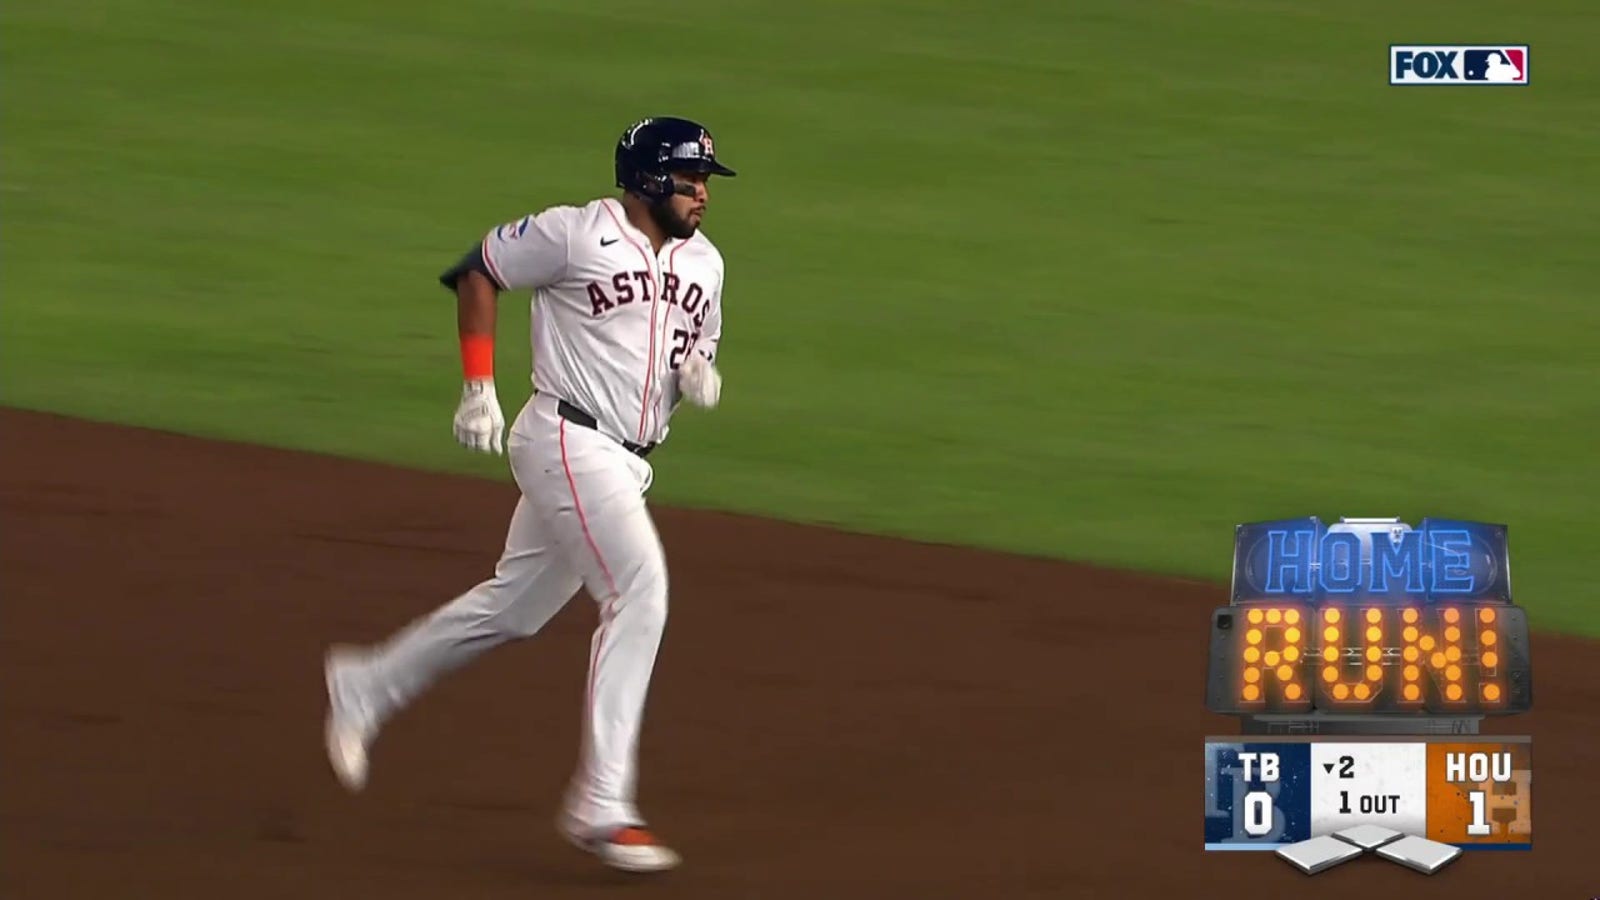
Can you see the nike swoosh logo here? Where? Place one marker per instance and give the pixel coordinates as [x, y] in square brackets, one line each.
[606, 243]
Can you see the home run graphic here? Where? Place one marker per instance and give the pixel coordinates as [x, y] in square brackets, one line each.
[1360, 658]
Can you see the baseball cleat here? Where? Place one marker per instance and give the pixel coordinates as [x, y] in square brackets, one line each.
[346, 731]
[630, 848]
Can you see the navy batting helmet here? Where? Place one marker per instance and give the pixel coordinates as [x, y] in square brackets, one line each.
[652, 149]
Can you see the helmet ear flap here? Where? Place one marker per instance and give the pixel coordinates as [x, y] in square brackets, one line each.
[657, 182]
[642, 172]
[658, 187]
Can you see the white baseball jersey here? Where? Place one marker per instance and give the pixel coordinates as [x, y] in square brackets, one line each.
[611, 321]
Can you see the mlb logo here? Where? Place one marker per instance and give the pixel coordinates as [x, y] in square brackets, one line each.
[1458, 64]
[1397, 534]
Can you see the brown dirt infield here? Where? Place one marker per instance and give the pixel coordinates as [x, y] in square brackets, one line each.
[833, 715]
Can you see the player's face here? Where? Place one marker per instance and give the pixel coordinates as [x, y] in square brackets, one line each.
[681, 215]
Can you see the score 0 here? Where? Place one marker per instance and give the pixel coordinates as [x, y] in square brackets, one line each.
[1258, 804]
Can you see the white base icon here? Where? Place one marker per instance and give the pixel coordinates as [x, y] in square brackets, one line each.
[1408, 850]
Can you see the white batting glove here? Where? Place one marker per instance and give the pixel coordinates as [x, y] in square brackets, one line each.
[699, 381]
[479, 424]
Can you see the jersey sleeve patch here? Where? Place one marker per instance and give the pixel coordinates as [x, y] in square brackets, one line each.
[530, 252]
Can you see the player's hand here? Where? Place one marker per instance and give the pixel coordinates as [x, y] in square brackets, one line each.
[479, 424]
[699, 381]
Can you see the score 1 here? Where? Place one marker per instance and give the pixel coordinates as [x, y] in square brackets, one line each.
[1481, 793]
[1258, 804]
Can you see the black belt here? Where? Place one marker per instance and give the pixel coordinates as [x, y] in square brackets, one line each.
[578, 417]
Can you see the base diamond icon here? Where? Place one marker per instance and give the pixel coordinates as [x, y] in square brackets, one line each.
[1329, 850]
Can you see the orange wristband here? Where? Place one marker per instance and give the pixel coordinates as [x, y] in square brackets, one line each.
[477, 356]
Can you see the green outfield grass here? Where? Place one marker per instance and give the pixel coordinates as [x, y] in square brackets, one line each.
[1091, 280]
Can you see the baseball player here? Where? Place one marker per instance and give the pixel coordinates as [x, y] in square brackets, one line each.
[626, 319]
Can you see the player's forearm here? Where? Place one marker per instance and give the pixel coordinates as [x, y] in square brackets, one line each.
[475, 305]
[475, 322]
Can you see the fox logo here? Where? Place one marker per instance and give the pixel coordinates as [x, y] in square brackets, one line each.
[1437, 64]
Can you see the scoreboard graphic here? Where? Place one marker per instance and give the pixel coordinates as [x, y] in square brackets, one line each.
[1360, 658]
[1474, 793]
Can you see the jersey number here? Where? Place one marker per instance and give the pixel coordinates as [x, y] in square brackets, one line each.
[682, 340]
